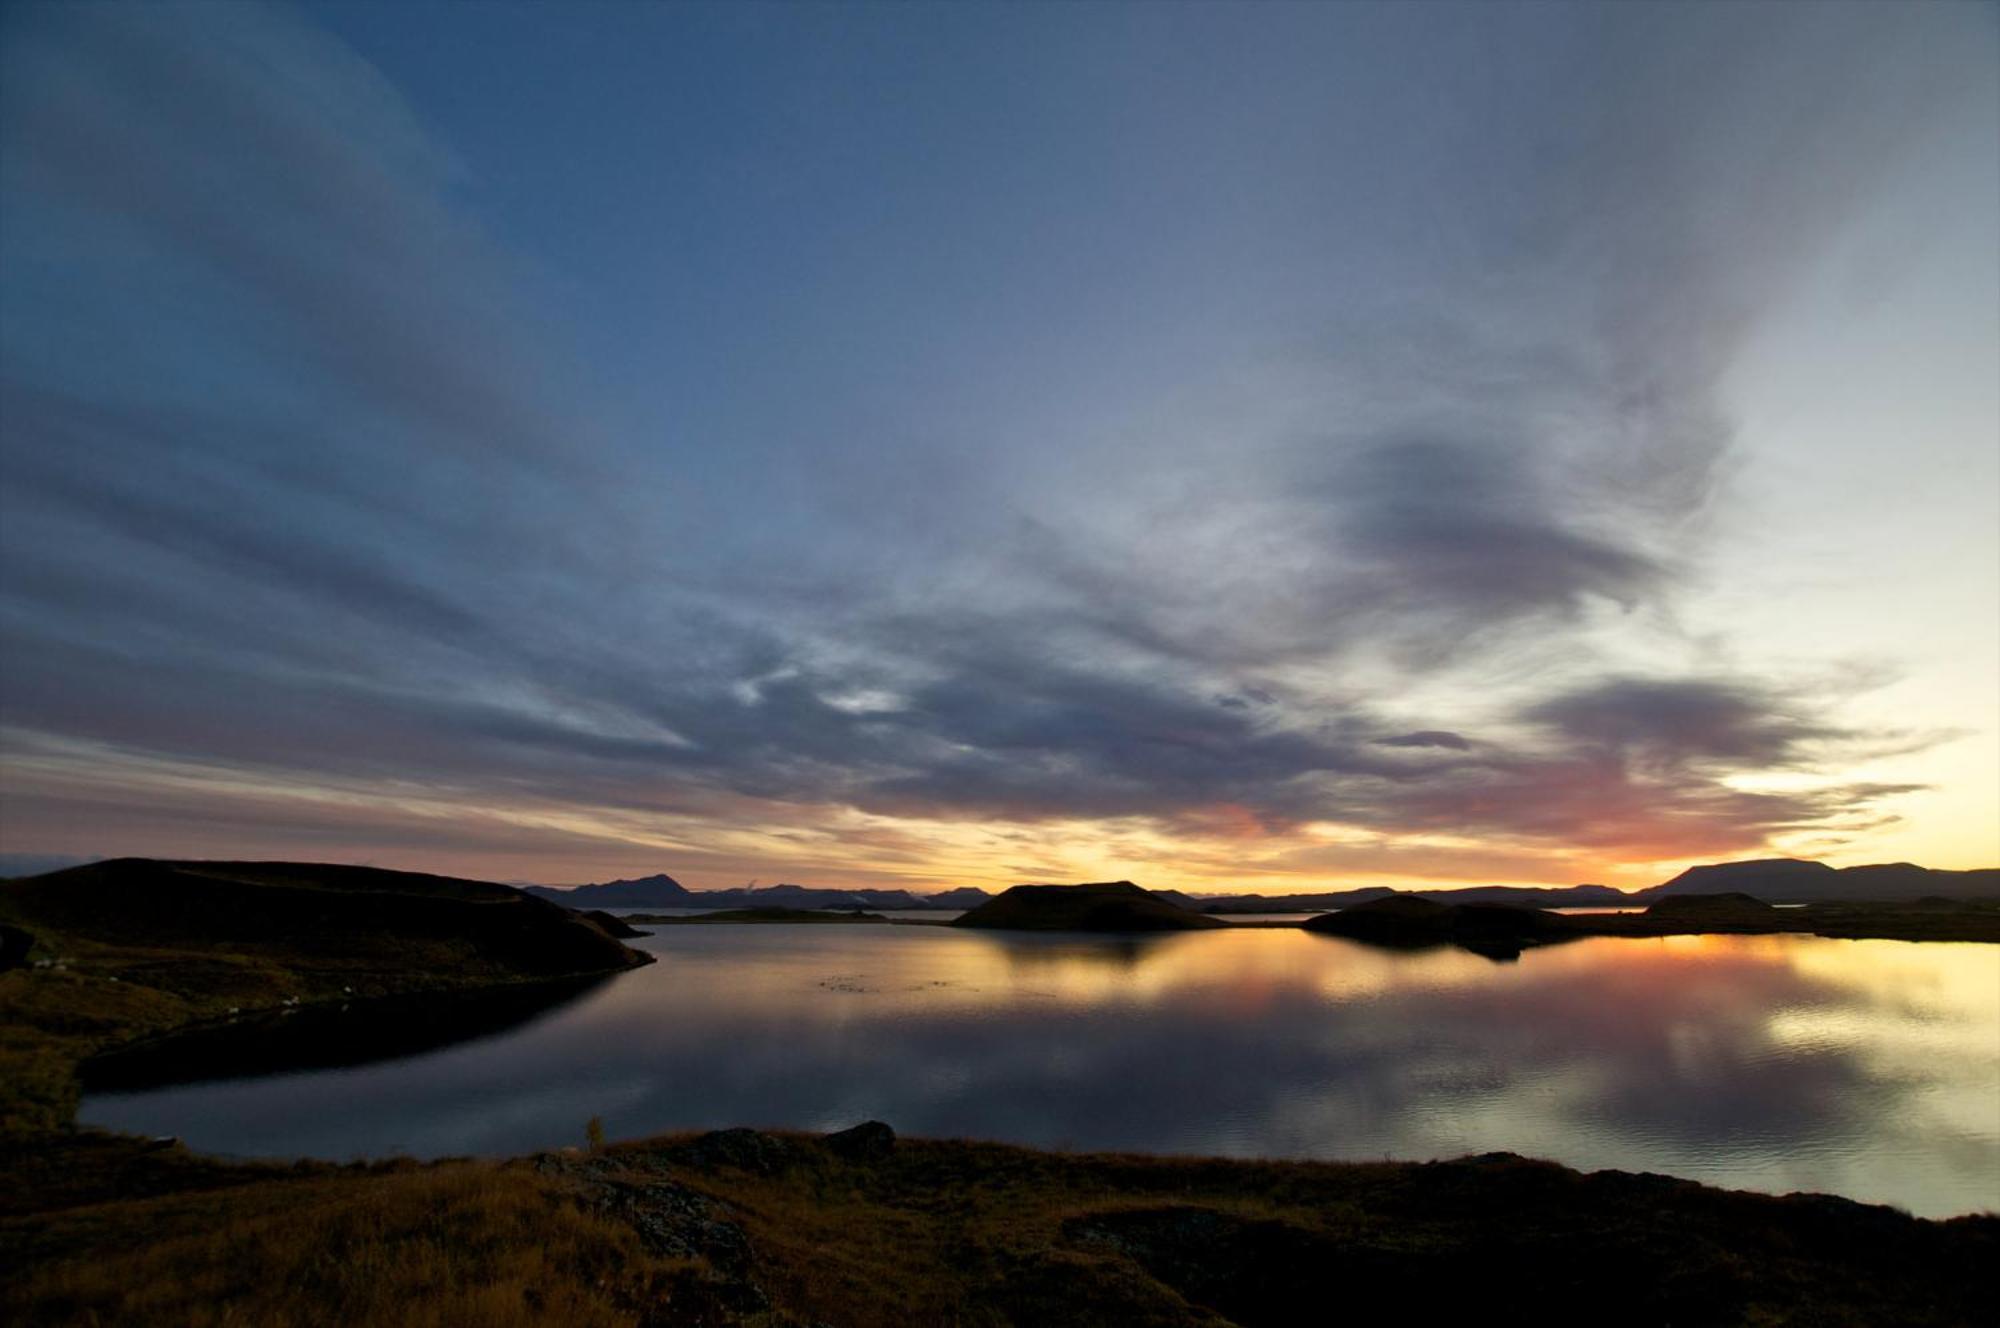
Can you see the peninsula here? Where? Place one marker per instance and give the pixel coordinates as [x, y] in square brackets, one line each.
[106, 955]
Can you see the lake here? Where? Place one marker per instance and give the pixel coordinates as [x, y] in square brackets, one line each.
[1864, 1068]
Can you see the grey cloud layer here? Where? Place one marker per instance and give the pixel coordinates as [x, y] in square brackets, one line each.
[288, 488]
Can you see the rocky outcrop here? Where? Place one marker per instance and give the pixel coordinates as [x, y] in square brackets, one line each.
[748, 1150]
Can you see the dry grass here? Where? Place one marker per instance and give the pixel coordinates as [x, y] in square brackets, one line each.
[791, 1232]
[466, 1244]
[91, 996]
[980, 1236]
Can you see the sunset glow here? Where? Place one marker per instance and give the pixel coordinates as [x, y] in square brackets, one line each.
[926, 447]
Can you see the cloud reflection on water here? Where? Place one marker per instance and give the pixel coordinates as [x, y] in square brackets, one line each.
[1764, 1062]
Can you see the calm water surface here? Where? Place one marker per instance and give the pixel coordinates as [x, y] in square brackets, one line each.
[1864, 1068]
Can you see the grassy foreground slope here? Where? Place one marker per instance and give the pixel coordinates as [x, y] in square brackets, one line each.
[102, 955]
[859, 1229]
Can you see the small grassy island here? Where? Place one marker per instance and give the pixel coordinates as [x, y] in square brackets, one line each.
[1104, 906]
[1407, 922]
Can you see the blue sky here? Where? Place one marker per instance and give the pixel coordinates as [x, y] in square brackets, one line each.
[1217, 445]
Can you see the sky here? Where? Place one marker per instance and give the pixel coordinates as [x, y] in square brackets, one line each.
[1227, 447]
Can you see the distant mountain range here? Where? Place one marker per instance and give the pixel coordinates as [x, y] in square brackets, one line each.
[1560, 896]
[663, 891]
[1773, 880]
[1792, 881]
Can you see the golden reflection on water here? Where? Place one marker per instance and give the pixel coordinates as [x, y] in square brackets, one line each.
[955, 968]
[1868, 1068]
[1956, 986]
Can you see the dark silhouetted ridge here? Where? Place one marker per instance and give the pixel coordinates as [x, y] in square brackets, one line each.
[1109, 906]
[1793, 881]
[658, 891]
[314, 914]
[1731, 904]
[663, 891]
[1498, 931]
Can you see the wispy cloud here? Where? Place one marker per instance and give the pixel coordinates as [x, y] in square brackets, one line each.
[296, 488]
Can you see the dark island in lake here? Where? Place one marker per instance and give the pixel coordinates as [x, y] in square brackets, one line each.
[1101, 906]
[1410, 922]
[1502, 932]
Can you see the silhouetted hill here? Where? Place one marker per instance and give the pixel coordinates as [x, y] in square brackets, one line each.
[313, 914]
[1299, 903]
[965, 896]
[1408, 921]
[1794, 881]
[804, 897]
[664, 891]
[1391, 919]
[1555, 896]
[1785, 879]
[1713, 907]
[1773, 880]
[658, 891]
[1521, 896]
[1100, 906]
